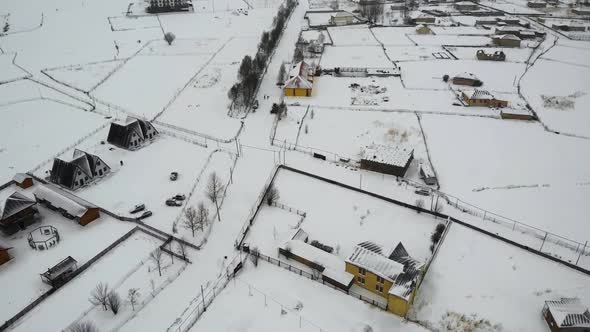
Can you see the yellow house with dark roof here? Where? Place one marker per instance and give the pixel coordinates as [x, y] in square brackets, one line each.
[392, 277]
[300, 82]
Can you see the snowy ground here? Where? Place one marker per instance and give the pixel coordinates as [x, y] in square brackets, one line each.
[307, 306]
[501, 279]
[354, 56]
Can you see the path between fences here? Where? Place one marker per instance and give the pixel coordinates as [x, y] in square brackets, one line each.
[246, 227]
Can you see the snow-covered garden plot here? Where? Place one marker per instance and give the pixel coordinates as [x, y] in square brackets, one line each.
[429, 40]
[22, 272]
[356, 35]
[394, 36]
[153, 80]
[512, 54]
[202, 106]
[489, 279]
[336, 92]
[8, 71]
[354, 56]
[198, 46]
[84, 76]
[70, 301]
[483, 153]
[122, 23]
[510, 7]
[342, 219]
[568, 55]
[309, 35]
[144, 177]
[355, 131]
[496, 76]
[319, 18]
[562, 101]
[264, 302]
[415, 53]
[51, 122]
[462, 30]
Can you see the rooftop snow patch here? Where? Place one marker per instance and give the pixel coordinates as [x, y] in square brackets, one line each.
[376, 263]
[507, 37]
[72, 204]
[569, 312]
[14, 204]
[392, 155]
[477, 94]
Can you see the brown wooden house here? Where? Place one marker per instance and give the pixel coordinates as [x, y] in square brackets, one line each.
[566, 315]
[69, 205]
[4, 256]
[482, 98]
[23, 180]
[393, 160]
[60, 273]
[18, 213]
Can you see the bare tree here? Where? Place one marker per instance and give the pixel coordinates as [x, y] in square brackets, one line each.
[114, 301]
[169, 37]
[272, 195]
[156, 257]
[190, 219]
[215, 191]
[182, 248]
[99, 296]
[133, 297]
[202, 216]
[86, 326]
[298, 56]
[282, 73]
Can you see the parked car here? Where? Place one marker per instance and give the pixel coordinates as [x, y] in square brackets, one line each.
[423, 192]
[146, 214]
[179, 197]
[255, 104]
[173, 202]
[137, 208]
[173, 176]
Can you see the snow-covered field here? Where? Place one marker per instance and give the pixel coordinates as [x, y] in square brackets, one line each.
[505, 285]
[50, 121]
[358, 35]
[512, 54]
[10, 72]
[85, 76]
[271, 298]
[354, 56]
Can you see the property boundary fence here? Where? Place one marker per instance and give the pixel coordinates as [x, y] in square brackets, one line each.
[290, 209]
[318, 278]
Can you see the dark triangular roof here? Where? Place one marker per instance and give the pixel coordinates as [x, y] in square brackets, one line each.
[374, 247]
[16, 203]
[120, 133]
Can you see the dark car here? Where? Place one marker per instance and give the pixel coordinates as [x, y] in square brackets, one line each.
[137, 208]
[423, 192]
[173, 176]
[173, 202]
[179, 197]
[146, 214]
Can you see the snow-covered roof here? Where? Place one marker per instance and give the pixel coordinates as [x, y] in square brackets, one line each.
[14, 204]
[466, 75]
[506, 37]
[427, 170]
[477, 94]
[4, 247]
[569, 312]
[59, 268]
[299, 69]
[343, 14]
[298, 82]
[405, 281]
[375, 263]
[20, 177]
[74, 205]
[392, 155]
[333, 266]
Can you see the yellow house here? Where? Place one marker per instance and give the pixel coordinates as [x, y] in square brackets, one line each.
[392, 277]
[300, 82]
[423, 29]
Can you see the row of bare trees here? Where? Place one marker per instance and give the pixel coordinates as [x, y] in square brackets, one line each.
[251, 69]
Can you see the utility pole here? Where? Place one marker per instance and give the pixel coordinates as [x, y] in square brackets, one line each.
[203, 298]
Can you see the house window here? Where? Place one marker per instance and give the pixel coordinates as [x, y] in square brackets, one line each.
[76, 183]
[100, 172]
[379, 288]
[380, 280]
[360, 279]
[98, 163]
[362, 271]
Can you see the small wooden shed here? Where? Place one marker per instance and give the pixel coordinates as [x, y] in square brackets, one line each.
[23, 180]
[4, 256]
[69, 205]
[60, 273]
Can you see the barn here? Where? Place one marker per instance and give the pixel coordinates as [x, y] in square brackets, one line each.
[70, 206]
[82, 169]
[18, 213]
[393, 160]
[4, 256]
[60, 273]
[23, 180]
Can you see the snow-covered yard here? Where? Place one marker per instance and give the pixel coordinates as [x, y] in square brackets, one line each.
[272, 299]
[84, 76]
[50, 122]
[10, 72]
[354, 56]
[512, 54]
[474, 274]
[356, 35]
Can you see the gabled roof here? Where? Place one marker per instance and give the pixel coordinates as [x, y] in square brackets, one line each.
[120, 132]
[398, 155]
[466, 75]
[15, 203]
[569, 312]
[298, 82]
[74, 205]
[478, 94]
[375, 263]
[506, 37]
[20, 177]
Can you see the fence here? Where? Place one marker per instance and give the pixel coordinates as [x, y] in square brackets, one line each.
[290, 209]
[319, 279]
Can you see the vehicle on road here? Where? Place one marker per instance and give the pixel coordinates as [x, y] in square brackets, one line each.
[173, 202]
[173, 176]
[146, 214]
[137, 208]
[179, 197]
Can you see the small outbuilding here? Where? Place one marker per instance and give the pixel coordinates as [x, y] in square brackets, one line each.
[131, 134]
[423, 29]
[4, 255]
[17, 214]
[427, 174]
[341, 18]
[569, 27]
[496, 56]
[581, 11]
[508, 40]
[482, 98]
[82, 169]
[566, 315]
[69, 205]
[23, 180]
[60, 273]
[393, 160]
[516, 114]
[536, 4]
[465, 6]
